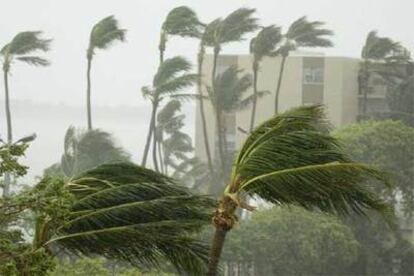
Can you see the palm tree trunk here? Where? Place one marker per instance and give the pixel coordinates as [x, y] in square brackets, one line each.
[220, 138]
[216, 249]
[88, 94]
[149, 136]
[255, 76]
[6, 187]
[160, 157]
[363, 86]
[154, 147]
[202, 112]
[279, 83]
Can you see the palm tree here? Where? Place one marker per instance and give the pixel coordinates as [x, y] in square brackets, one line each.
[226, 96]
[301, 33]
[263, 45]
[23, 47]
[84, 150]
[180, 21]
[122, 212]
[102, 36]
[292, 159]
[171, 77]
[376, 50]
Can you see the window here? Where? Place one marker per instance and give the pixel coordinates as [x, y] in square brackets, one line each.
[313, 75]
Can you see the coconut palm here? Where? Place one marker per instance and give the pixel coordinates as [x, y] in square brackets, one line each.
[180, 21]
[122, 212]
[301, 33]
[263, 45]
[375, 51]
[172, 76]
[226, 96]
[103, 35]
[84, 150]
[292, 159]
[23, 47]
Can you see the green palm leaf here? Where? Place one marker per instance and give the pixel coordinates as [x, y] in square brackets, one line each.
[291, 158]
[182, 21]
[129, 213]
[265, 43]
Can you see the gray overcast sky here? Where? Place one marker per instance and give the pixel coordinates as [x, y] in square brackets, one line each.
[119, 72]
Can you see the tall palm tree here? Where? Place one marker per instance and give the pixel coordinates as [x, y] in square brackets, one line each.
[122, 212]
[301, 33]
[23, 47]
[226, 96]
[292, 159]
[263, 45]
[172, 76]
[102, 36]
[375, 50]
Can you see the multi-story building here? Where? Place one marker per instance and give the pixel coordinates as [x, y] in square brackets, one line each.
[316, 79]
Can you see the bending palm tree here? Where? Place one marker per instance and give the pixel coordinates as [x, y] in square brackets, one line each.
[301, 33]
[375, 50]
[181, 21]
[102, 36]
[171, 77]
[291, 159]
[226, 97]
[21, 48]
[121, 212]
[263, 45]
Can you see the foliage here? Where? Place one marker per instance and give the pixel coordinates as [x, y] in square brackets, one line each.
[9, 155]
[104, 34]
[84, 150]
[21, 48]
[388, 145]
[292, 241]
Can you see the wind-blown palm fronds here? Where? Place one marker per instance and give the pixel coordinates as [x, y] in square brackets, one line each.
[301, 33]
[180, 21]
[375, 50]
[292, 159]
[103, 35]
[23, 47]
[226, 96]
[263, 45]
[172, 76]
[129, 213]
[84, 150]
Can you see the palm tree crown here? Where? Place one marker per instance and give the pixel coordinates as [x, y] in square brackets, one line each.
[21, 48]
[265, 43]
[104, 34]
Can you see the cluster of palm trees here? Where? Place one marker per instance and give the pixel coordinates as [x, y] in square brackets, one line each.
[289, 159]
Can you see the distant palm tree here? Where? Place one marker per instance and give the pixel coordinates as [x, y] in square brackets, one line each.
[125, 213]
[301, 33]
[263, 45]
[180, 21]
[291, 159]
[102, 36]
[226, 96]
[172, 76]
[84, 150]
[233, 28]
[376, 50]
[23, 47]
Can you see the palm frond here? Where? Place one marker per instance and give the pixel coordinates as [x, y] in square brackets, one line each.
[292, 159]
[246, 102]
[182, 21]
[265, 42]
[27, 42]
[34, 60]
[137, 216]
[377, 47]
[169, 69]
[105, 33]
[309, 33]
[177, 84]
